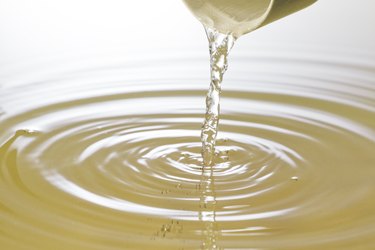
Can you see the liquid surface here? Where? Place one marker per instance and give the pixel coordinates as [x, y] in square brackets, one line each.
[105, 156]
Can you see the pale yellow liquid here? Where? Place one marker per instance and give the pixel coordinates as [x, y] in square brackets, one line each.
[292, 168]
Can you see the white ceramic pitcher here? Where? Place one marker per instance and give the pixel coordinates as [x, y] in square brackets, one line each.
[238, 17]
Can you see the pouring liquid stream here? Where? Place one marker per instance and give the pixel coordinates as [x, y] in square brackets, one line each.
[219, 47]
[224, 22]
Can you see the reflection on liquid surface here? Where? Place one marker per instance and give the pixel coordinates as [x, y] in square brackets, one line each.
[108, 156]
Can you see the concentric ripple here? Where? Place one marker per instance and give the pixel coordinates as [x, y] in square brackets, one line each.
[109, 157]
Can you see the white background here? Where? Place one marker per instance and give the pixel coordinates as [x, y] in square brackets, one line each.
[35, 28]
